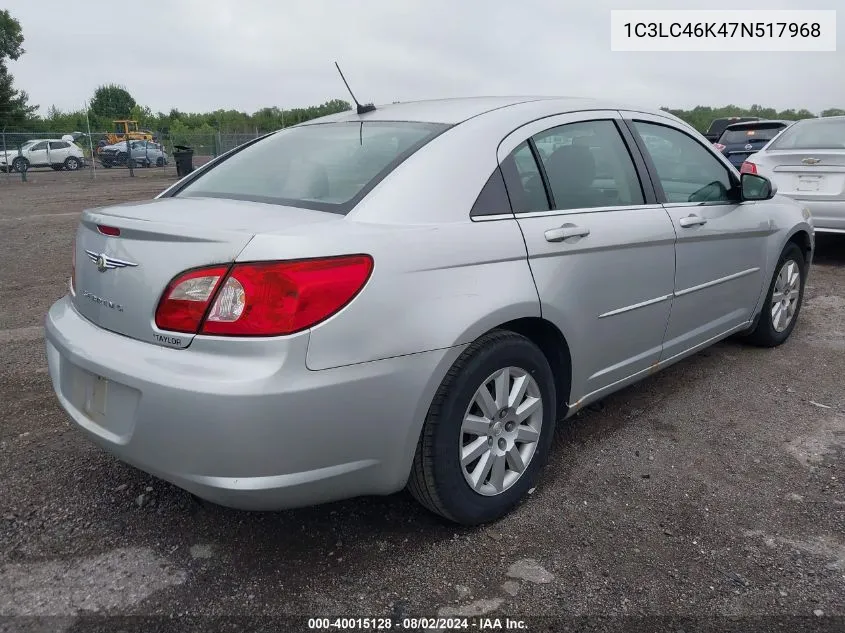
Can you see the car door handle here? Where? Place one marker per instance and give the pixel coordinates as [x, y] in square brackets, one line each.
[692, 220]
[565, 232]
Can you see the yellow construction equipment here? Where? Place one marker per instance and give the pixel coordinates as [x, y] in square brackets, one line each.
[125, 129]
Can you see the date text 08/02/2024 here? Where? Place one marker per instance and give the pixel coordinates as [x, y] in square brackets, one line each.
[416, 624]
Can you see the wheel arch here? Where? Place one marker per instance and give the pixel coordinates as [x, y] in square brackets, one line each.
[802, 239]
[541, 332]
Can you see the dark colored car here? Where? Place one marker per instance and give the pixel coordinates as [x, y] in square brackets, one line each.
[717, 126]
[741, 140]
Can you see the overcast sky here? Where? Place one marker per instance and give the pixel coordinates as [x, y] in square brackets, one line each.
[201, 55]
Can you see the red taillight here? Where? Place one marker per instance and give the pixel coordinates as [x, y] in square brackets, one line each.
[186, 298]
[108, 230]
[719, 147]
[262, 298]
[748, 168]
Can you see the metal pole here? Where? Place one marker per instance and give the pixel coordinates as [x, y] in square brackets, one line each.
[6, 156]
[23, 164]
[129, 161]
[90, 144]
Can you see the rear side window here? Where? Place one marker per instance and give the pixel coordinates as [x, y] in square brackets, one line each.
[748, 134]
[525, 184]
[588, 165]
[324, 166]
[493, 199]
[813, 134]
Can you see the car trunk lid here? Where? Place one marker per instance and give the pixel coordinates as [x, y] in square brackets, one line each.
[806, 174]
[119, 279]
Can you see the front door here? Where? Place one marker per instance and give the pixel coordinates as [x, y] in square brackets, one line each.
[37, 155]
[721, 246]
[599, 246]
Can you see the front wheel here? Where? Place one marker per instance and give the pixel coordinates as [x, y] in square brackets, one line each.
[488, 431]
[20, 164]
[783, 301]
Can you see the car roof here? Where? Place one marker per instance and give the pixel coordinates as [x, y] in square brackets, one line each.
[456, 110]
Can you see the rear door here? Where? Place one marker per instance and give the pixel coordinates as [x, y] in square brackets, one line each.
[721, 246]
[599, 246]
[59, 150]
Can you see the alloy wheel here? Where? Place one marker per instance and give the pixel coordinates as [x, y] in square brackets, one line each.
[500, 431]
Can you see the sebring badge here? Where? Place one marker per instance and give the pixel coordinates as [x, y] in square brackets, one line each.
[104, 262]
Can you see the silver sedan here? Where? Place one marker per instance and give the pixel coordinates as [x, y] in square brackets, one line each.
[413, 296]
[807, 163]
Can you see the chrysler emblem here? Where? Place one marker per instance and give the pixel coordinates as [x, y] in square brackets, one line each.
[811, 161]
[104, 262]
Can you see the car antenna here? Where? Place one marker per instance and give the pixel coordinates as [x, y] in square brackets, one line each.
[362, 109]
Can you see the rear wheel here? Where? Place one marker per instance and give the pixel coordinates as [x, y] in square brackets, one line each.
[71, 163]
[488, 431]
[783, 301]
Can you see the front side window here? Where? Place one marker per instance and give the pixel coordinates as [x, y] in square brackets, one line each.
[588, 165]
[688, 172]
[324, 166]
[39, 146]
[813, 134]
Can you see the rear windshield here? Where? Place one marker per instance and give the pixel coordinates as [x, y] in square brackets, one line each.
[813, 134]
[748, 134]
[324, 166]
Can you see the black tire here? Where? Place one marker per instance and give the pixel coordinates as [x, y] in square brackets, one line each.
[764, 333]
[160, 162]
[20, 164]
[437, 479]
[72, 163]
[120, 159]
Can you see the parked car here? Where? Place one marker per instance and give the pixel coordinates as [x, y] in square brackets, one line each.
[144, 154]
[741, 140]
[412, 296]
[56, 153]
[717, 126]
[807, 163]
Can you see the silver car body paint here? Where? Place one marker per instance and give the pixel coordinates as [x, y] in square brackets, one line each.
[336, 411]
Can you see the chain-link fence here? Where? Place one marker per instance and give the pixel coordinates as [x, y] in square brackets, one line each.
[23, 152]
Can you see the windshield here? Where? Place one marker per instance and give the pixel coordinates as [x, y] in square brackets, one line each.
[325, 166]
[746, 135]
[813, 134]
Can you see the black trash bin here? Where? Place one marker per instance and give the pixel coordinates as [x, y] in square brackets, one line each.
[184, 157]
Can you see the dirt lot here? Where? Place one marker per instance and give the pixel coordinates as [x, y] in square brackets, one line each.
[713, 489]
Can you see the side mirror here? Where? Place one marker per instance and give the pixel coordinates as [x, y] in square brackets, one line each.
[757, 187]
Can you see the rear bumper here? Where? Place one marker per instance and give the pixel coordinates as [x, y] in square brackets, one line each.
[250, 428]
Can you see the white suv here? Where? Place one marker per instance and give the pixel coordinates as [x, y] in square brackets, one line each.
[56, 153]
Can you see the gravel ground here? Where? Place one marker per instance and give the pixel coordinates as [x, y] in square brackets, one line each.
[711, 490]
